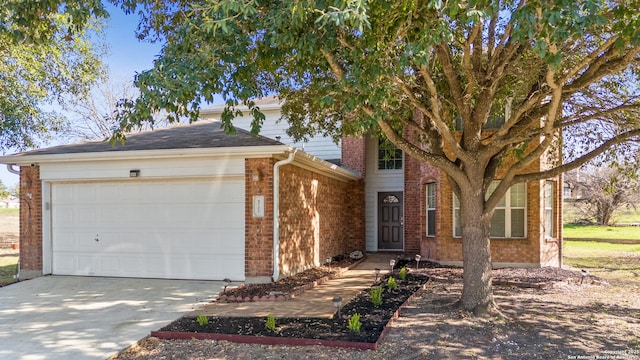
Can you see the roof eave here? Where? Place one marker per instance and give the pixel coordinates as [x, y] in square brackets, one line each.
[244, 151]
[217, 110]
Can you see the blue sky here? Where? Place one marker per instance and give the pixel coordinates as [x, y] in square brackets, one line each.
[126, 56]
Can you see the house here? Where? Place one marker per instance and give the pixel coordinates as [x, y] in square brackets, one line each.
[410, 207]
[188, 202]
[191, 202]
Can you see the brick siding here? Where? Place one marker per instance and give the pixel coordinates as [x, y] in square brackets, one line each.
[320, 217]
[354, 153]
[258, 261]
[30, 222]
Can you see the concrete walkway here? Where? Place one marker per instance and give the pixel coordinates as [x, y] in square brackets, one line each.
[73, 317]
[316, 302]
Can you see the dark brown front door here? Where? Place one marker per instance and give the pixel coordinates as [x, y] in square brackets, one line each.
[390, 221]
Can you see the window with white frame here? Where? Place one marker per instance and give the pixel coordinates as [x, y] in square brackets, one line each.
[509, 217]
[431, 209]
[549, 193]
[389, 156]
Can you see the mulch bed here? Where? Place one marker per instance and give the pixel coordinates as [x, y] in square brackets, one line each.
[335, 331]
[373, 320]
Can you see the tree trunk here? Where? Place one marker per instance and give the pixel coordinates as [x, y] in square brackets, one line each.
[477, 292]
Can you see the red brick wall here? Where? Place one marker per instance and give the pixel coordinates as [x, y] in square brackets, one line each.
[416, 177]
[534, 249]
[354, 153]
[30, 222]
[320, 217]
[259, 231]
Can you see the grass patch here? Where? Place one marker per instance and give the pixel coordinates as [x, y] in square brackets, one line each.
[601, 232]
[8, 267]
[9, 211]
[610, 261]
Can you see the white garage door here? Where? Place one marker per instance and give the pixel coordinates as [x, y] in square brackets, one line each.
[154, 229]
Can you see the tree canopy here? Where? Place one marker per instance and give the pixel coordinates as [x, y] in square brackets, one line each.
[48, 52]
[467, 86]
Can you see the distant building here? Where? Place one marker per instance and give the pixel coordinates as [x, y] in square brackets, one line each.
[10, 202]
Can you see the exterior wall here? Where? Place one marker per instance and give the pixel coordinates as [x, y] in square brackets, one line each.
[320, 146]
[320, 217]
[258, 262]
[378, 181]
[30, 222]
[534, 250]
[353, 154]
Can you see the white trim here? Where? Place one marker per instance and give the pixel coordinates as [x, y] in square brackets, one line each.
[241, 151]
[276, 213]
[47, 245]
[434, 208]
[217, 109]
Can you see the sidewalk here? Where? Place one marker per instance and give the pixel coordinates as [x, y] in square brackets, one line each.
[316, 302]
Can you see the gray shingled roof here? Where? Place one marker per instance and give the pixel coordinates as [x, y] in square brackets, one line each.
[199, 135]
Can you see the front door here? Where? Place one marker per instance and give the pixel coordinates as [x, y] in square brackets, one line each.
[390, 221]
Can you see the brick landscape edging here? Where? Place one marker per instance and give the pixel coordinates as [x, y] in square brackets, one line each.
[238, 299]
[269, 340]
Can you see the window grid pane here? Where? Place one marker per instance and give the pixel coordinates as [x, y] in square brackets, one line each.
[389, 157]
[431, 209]
[509, 218]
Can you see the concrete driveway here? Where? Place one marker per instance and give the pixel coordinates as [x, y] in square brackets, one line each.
[68, 317]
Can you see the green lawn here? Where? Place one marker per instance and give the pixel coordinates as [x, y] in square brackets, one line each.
[5, 211]
[601, 232]
[8, 266]
[614, 262]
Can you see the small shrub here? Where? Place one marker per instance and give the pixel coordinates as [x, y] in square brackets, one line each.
[391, 283]
[403, 273]
[376, 296]
[202, 320]
[271, 323]
[354, 323]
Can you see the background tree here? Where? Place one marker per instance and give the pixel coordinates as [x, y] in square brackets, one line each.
[432, 77]
[602, 191]
[4, 192]
[47, 53]
[94, 116]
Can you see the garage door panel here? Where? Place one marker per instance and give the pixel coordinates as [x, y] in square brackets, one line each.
[65, 264]
[85, 264]
[164, 229]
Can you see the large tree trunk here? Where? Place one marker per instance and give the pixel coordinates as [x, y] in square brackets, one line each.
[477, 293]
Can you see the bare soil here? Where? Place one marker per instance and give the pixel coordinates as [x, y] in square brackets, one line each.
[567, 320]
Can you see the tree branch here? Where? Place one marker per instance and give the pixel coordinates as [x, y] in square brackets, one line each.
[580, 161]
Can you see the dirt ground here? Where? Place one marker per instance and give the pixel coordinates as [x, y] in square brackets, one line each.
[568, 321]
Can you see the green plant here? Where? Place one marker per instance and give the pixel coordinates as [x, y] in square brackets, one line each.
[202, 320]
[271, 323]
[403, 273]
[376, 296]
[391, 283]
[354, 323]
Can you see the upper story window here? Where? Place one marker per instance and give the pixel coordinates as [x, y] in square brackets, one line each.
[389, 156]
[509, 217]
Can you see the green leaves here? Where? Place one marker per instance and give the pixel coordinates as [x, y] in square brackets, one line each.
[47, 55]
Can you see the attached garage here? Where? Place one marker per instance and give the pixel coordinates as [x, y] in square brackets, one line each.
[188, 202]
[152, 229]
